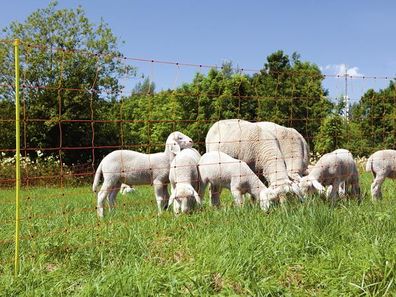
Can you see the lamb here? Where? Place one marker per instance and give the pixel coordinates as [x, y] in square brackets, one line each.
[293, 146]
[382, 164]
[257, 147]
[130, 167]
[223, 171]
[125, 189]
[185, 182]
[333, 169]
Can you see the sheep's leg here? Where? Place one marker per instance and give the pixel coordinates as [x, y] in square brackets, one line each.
[215, 191]
[265, 202]
[113, 195]
[356, 190]
[166, 196]
[355, 187]
[343, 189]
[328, 191]
[237, 196]
[102, 195]
[249, 196]
[376, 187]
[201, 190]
[334, 190]
[161, 195]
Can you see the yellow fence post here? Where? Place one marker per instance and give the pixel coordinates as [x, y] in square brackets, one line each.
[17, 155]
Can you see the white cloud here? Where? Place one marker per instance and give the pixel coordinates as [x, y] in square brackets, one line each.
[340, 69]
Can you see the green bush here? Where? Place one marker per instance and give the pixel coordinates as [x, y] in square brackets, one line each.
[40, 170]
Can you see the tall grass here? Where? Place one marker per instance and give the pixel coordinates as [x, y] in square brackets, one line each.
[309, 249]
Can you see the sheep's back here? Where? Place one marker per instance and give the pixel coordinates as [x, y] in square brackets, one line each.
[292, 145]
[219, 168]
[384, 162]
[136, 168]
[183, 168]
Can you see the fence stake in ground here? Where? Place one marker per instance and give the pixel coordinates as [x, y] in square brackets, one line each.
[17, 156]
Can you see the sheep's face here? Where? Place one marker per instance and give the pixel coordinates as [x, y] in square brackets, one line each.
[279, 194]
[177, 141]
[125, 189]
[183, 200]
[306, 186]
[183, 205]
[183, 140]
[310, 186]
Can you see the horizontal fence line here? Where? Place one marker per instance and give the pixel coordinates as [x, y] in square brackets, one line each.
[82, 148]
[124, 146]
[65, 229]
[44, 177]
[25, 180]
[88, 121]
[178, 94]
[91, 173]
[194, 65]
[223, 142]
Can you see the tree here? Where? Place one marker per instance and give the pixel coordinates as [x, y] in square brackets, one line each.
[375, 115]
[290, 93]
[144, 88]
[70, 69]
[330, 135]
[337, 131]
[221, 94]
[286, 92]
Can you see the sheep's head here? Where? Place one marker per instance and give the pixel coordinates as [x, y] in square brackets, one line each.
[125, 189]
[177, 141]
[183, 140]
[279, 193]
[309, 186]
[184, 198]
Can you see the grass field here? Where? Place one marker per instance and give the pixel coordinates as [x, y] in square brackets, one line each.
[310, 249]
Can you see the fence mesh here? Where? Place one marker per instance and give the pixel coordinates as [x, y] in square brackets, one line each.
[78, 106]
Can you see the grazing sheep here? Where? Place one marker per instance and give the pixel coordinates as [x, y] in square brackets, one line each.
[223, 171]
[125, 189]
[333, 169]
[125, 166]
[184, 180]
[257, 147]
[293, 146]
[382, 164]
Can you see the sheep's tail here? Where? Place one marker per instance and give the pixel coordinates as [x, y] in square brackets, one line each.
[369, 164]
[97, 178]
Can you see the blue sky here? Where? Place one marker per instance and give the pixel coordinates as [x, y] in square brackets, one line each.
[359, 34]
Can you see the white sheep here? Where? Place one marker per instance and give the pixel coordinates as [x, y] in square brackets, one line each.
[130, 167]
[257, 147]
[223, 171]
[125, 189]
[335, 170]
[184, 180]
[294, 148]
[382, 164]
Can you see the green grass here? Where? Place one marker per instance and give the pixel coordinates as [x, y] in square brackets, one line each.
[297, 250]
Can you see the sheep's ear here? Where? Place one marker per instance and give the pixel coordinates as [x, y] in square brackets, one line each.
[175, 147]
[171, 199]
[197, 198]
[318, 186]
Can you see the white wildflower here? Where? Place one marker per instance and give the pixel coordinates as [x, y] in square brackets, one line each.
[39, 153]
